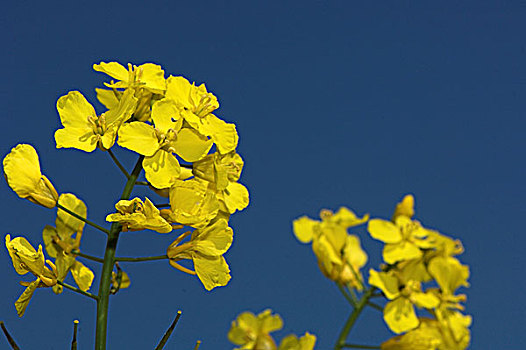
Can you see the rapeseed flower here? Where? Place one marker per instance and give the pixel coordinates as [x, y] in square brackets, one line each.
[83, 129]
[22, 172]
[136, 215]
[253, 332]
[26, 259]
[292, 342]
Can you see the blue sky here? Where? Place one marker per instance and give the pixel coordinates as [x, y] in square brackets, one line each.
[336, 103]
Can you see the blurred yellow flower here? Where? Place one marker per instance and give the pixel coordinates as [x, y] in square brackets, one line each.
[205, 248]
[292, 342]
[83, 129]
[339, 254]
[148, 75]
[22, 172]
[26, 259]
[138, 215]
[253, 332]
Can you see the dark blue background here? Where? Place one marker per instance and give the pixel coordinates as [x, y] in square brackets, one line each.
[336, 103]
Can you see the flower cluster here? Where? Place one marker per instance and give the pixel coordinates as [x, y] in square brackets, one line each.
[252, 332]
[188, 155]
[415, 255]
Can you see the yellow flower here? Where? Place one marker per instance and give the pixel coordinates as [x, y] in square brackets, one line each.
[136, 215]
[26, 259]
[291, 342]
[160, 141]
[205, 248]
[83, 129]
[59, 243]
[149, 76]
[192, 203]
[340, 256]
[430, 335]
[399, 312]
[197, 105]
[223, 172]
[253, 332]
[22, 172]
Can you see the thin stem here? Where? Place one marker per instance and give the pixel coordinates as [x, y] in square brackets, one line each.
[352, 318]
[142, 183]
[83, 219]
[107, 267]
[167, 205]
[346, 295]
[118, 164]
[188, 166]
[358, 346]
[353, 294]
[74, 341]
[143, 258]
[376, 306]
[197, 345]
[169, 331]
[86, 256]
[80, 291]
[10, 339]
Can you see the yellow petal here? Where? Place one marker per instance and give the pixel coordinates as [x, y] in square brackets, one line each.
[192, 203]
[406, 207]
[268, 322]
[165, 115]
[384, 231]
[74, 110]
[304, 228]
[178, 89]
[139, 137]
[426, 300]
[449, 273]
[353, 252]
[152, 75]
[162, 169]
[212, 271]
[80, 138]
[348, 218]
[235, 197]
[113, 69]
[22, 171]
[25, 298]
[400, 316]
[25, 257]
[387, 282]
[122, 111]
[82, 275]
[223, 134]
[107, 97]
[244, 328]
[47, 235]
[66, 223]
[214, 239]
[400, 252]
[190, 145]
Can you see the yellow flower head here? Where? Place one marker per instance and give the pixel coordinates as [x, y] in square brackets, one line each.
[340, 256]
[192, 203]
[197, 105]
[138, 215]
[253, 332]
[205, 248]
[59, 243]
[399, 312]
[83, 129]
[22, 172]
[26, 259]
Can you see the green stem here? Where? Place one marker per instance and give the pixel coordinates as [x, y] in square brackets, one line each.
[164, 339]
[107, 267]
[349, 298]
[352, 319]
[86, 256]
[118, 164]
[142, 183]
[376, 306]
[80, 291]
[83, 219]
[358, 346]
[197, 345]
[143, 258]
[10, 339]
[74, 341]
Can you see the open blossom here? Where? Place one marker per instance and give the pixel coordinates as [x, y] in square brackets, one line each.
[205, 248]
[28, 260]
[253, 332]
[138, 215]
[83, 129]
[22, 172]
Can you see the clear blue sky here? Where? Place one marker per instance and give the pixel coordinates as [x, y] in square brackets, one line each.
[336, 103]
